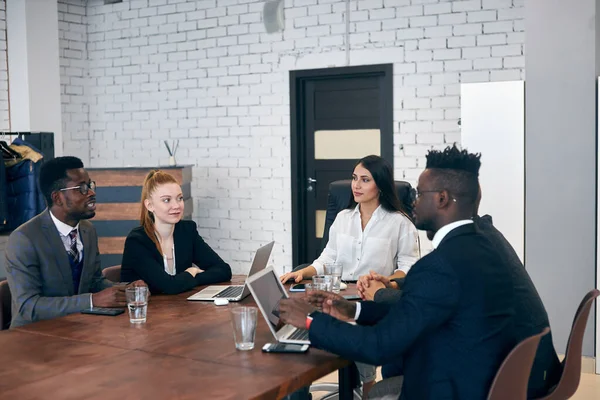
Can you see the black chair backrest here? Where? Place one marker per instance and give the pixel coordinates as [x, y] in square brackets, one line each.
[340, 196]
[5, 311]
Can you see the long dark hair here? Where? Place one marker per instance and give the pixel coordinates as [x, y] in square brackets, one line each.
[382, 174]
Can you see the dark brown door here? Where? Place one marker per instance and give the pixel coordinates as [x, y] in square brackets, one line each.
[338, 116]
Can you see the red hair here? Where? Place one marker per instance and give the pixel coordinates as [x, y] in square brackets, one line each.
[153, 180]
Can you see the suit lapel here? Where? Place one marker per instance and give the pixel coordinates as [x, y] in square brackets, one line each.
[461, 230]
[58, 249]
[89, 257]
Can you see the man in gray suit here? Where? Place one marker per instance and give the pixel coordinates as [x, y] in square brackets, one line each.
[52, 261]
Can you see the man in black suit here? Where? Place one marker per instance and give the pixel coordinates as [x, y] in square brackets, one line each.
[530, 314]
[454, 323]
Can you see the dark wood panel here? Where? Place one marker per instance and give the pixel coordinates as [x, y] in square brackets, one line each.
[129, 194]
[346, 123]
[115, 227]
[352, 103]
[108, 260]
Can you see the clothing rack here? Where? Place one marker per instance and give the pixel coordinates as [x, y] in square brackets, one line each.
[43, 141]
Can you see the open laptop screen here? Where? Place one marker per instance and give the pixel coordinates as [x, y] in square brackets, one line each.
[270, 293]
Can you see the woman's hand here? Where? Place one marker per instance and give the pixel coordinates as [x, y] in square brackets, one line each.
[296, 276]
[193, 271]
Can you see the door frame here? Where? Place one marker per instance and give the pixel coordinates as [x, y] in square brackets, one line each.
[298, 81]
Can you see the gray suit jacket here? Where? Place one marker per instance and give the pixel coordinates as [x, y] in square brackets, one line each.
[39, 273]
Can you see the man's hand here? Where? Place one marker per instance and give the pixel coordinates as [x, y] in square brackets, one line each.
[367, 285]
[139, 283]
[369, 293]
[294, 311]
[334, 305]
[193, 271]
[112, 297]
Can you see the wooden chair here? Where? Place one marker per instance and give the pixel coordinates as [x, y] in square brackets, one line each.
[112, 273]
[513, 375]
[571, 374]
[5, 300]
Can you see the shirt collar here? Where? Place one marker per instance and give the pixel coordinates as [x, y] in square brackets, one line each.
[377, 211]
[446, 229]
[62, 228]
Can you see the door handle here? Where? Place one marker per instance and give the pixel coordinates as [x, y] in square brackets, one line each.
[310, 187]
[311, 181]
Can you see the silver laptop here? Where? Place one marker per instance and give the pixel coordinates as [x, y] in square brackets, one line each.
[236, 292]
[268, 291]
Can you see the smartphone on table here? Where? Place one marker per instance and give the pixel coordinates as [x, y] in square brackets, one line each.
[298, 287]
[104, 311]
[285, 348]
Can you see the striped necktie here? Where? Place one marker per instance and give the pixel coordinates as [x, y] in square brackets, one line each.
[73, 252]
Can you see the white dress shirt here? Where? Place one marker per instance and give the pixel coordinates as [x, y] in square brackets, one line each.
[446, 229]
[168, 270]
[64, 230]
[389, 243]
[437, 239]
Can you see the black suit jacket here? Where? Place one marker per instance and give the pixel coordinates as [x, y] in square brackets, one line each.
[142, 260]
[530, 314]
[452, 327]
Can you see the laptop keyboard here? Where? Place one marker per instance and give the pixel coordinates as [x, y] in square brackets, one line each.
[230, 292]
[299, 334]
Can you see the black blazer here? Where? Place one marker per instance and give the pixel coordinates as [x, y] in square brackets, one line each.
[142, 260]
[530, 314]
[452, 327]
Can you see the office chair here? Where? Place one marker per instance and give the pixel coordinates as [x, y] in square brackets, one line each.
[571, 374]
[513, 375]
[5, 300]
[340, 198]
[113, 273]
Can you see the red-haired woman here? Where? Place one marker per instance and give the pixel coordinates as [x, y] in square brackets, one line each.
[162, 250]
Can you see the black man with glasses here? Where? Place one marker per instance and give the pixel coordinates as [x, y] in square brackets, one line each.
[52, 261]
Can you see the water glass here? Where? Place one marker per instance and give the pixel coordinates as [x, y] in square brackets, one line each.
[335, 271]
[243, 320]
[137, 303]
[325, 280]
[312, 287]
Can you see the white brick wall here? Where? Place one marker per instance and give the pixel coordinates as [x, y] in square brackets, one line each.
[74, 70]
[4, 110]
[206, 73]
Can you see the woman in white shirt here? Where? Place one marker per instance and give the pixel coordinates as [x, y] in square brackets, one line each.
[374, 234]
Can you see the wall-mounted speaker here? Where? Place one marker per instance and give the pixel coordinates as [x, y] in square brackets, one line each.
[273, 16]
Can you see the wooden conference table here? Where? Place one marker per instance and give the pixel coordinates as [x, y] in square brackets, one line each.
[185, 350]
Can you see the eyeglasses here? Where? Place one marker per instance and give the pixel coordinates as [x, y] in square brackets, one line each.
[419, 193]
[83, 188]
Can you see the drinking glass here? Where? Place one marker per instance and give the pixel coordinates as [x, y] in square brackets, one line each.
[326, 280]
[335, 271]
[243, 320]
[137, 303]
